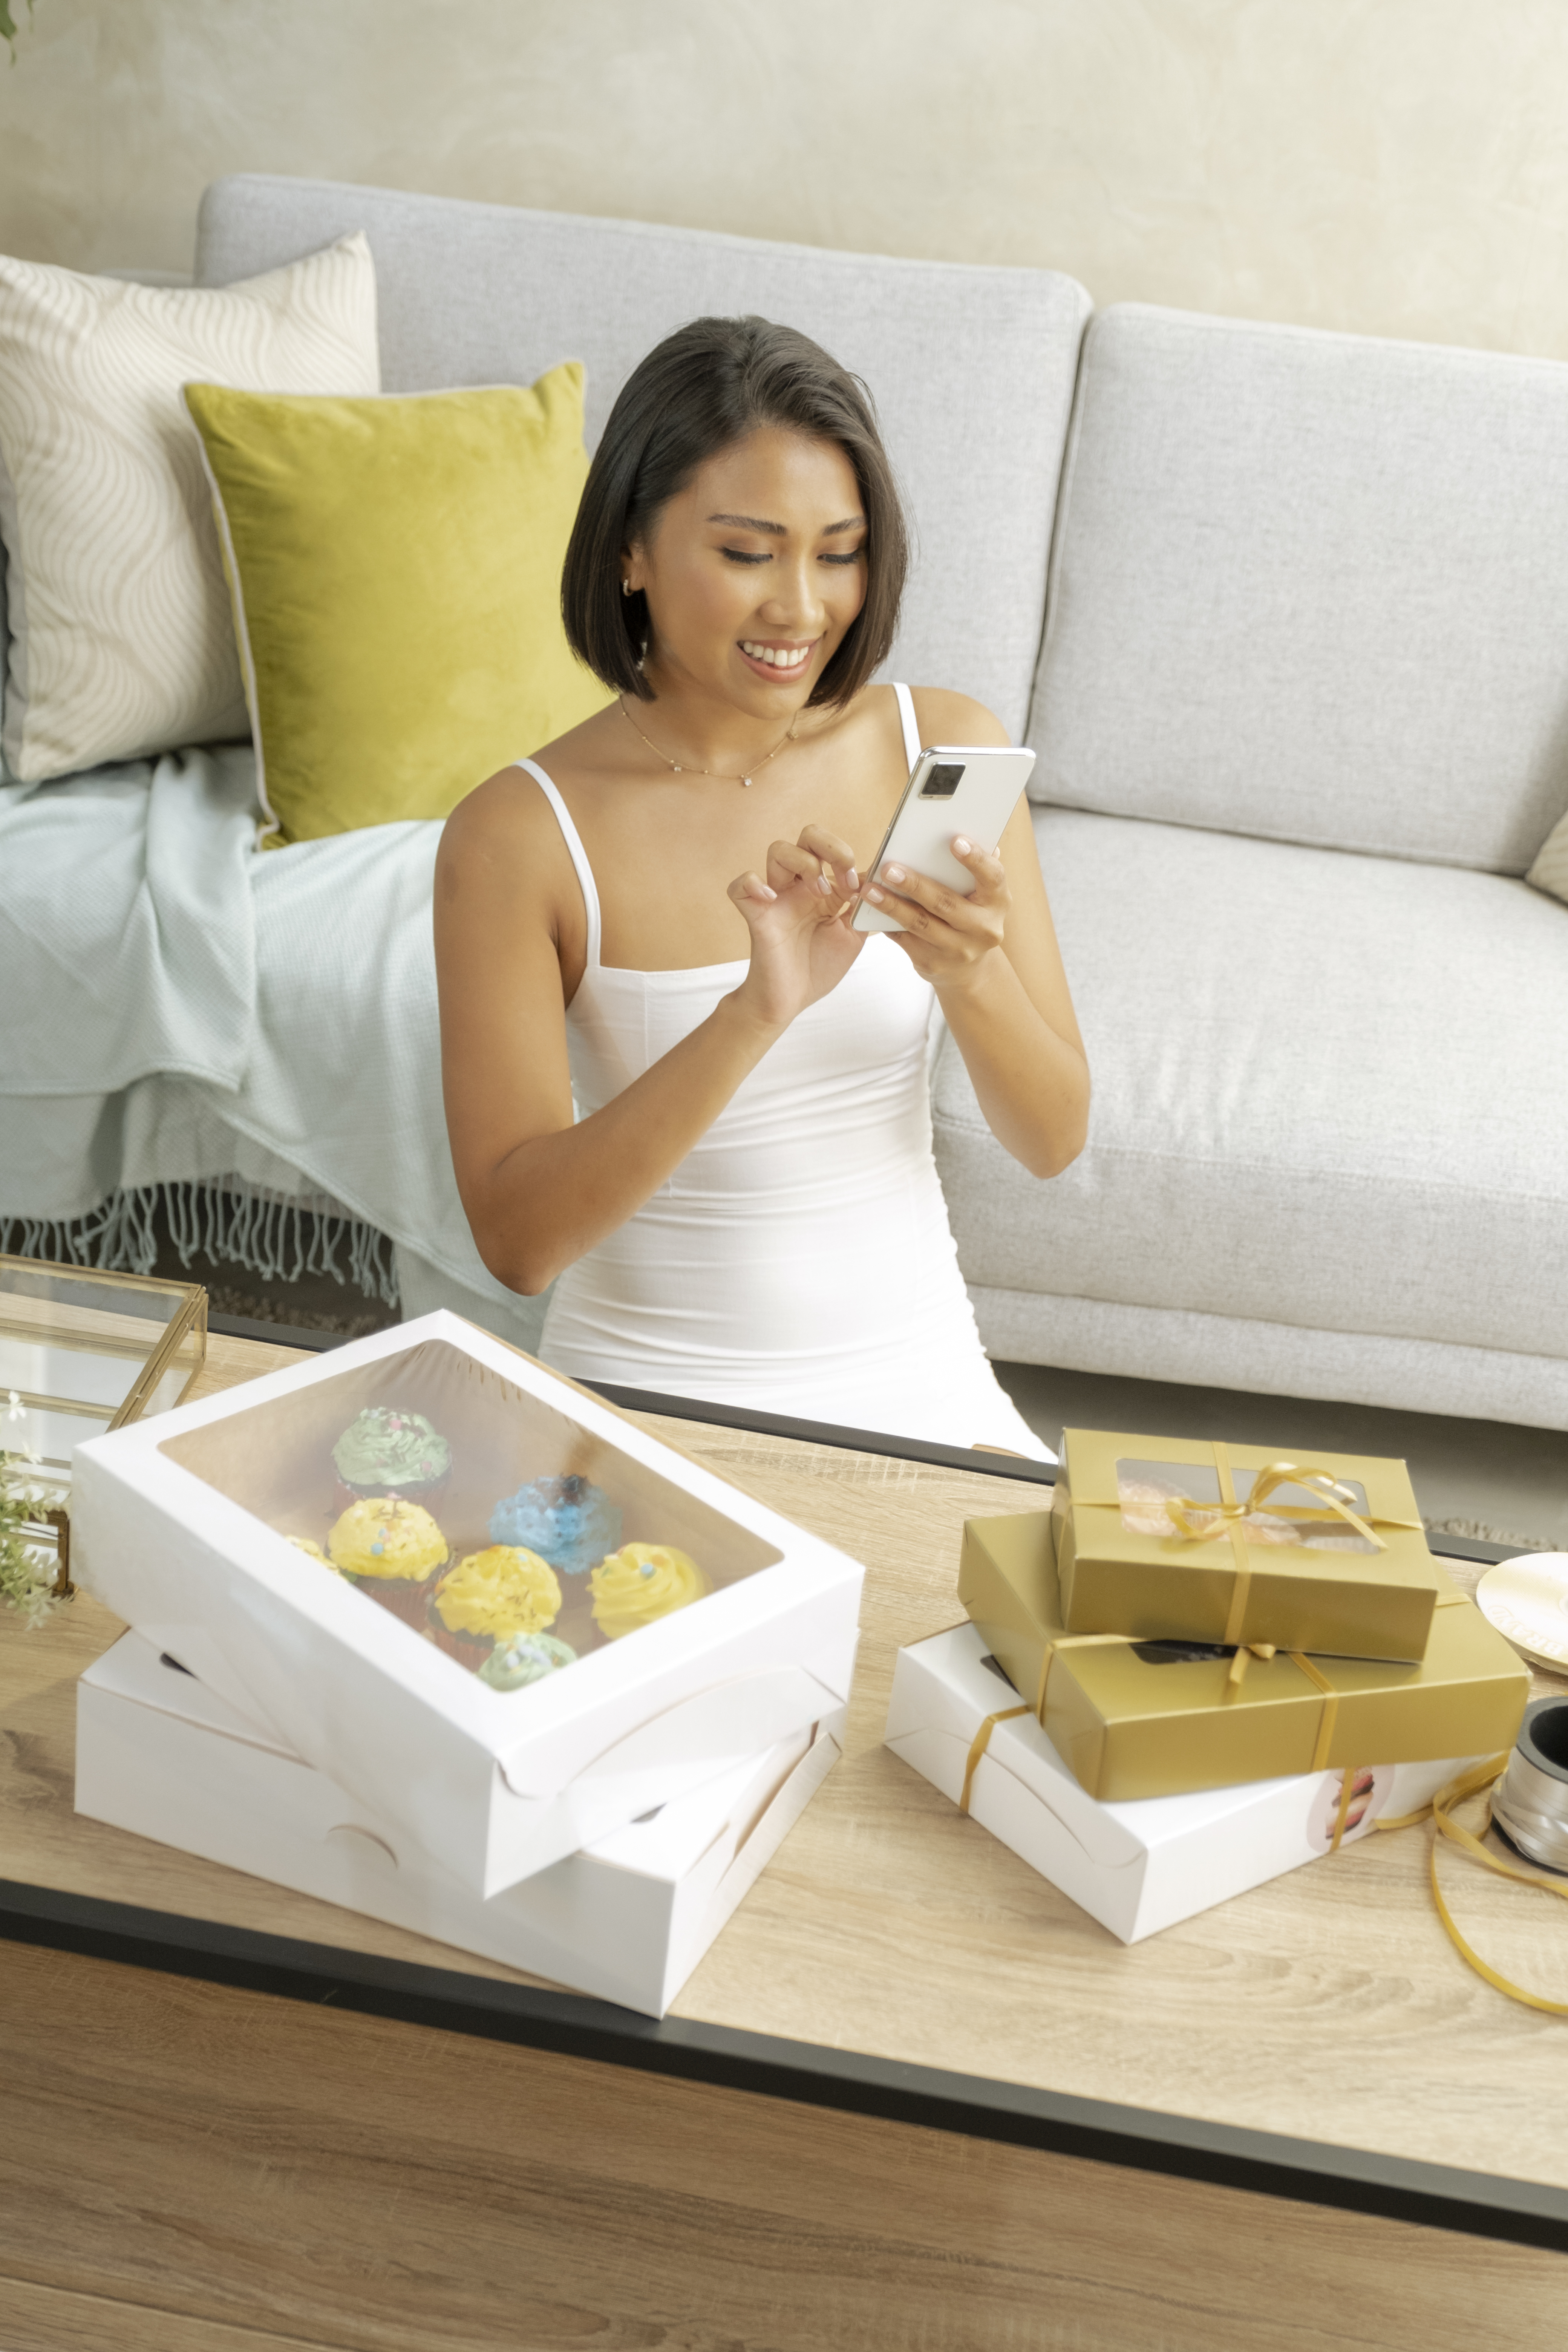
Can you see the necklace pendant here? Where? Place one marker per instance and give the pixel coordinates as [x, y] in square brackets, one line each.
[675, 768]
[747, 782]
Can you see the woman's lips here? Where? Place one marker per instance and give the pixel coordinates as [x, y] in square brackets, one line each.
[780, 671]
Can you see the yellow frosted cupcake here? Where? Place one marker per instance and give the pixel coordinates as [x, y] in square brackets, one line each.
[490, 1597]
[642, 1581]
[391, 1550]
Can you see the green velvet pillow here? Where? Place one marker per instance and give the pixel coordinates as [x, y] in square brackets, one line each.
[394, 564]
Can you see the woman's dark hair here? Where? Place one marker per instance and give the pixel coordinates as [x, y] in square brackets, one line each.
[701, 391]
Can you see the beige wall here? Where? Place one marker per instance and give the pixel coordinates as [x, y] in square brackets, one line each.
[1399, 166]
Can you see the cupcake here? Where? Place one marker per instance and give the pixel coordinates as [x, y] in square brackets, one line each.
[525, 1658]
[385, 1452]
[568, 1521]
[642, 1581]
[391, 1550]
[491, 1597]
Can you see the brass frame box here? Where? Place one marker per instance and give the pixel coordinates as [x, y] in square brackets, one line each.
[1360, 1581]
[83, 1352]
[1133, 1718]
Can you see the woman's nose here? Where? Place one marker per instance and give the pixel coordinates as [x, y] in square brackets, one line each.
[794, 599]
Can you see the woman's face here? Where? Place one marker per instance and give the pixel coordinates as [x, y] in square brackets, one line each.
[753, 573]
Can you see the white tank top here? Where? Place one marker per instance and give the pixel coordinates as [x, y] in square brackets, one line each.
[816, 1184]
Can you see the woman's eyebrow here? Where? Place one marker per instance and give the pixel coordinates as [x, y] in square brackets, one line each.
[779, 530]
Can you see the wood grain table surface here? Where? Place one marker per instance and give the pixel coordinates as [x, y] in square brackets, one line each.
[1328, 2005]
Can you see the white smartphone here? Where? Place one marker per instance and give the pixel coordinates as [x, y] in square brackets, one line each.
[969, 788]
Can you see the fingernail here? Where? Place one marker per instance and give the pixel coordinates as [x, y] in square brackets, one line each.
[825, 886]
[852, 878]
[963, 846]
[892, 873]
[874, 895]
[767, 893]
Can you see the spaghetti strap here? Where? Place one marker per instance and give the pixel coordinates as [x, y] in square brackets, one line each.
[906, 719]
[576, 851]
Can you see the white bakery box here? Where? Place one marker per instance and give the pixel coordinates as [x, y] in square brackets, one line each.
[1134, 1867]
[183, 1525]
[628, 1919]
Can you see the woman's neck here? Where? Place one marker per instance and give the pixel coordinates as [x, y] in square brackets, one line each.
[692, 729]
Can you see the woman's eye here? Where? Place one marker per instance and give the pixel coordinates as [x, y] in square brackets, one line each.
[843, 559]
[738, 555]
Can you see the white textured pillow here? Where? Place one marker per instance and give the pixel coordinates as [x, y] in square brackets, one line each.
[1550, 871]
[122, 638]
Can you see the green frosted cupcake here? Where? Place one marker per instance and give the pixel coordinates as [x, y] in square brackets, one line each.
[525, 1658]
[386, 1451]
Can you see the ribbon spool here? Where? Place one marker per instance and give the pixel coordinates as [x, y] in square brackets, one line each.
[1531, 1804]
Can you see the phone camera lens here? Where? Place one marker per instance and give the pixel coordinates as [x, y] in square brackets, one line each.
[941, 784]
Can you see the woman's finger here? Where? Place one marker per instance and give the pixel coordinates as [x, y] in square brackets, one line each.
[751, 887]
[788, 863]
[921, 895]
[834, 852]
[983, 863]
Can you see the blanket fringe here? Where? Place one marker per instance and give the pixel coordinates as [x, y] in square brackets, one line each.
[271, 1234]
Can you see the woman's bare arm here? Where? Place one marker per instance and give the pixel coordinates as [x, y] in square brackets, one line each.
[993, 960]
[538, 1190]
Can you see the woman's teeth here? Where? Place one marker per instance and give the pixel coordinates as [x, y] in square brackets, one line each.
[778, 656]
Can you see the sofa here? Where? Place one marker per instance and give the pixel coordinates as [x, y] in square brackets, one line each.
[1284, 615]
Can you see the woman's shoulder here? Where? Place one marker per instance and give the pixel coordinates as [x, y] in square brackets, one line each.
[945, 715]
[511, 808]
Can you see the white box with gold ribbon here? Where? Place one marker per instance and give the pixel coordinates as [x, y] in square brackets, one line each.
[956, 1719]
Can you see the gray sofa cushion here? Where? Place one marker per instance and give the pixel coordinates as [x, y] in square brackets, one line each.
[1327, 1093]
[1313, 587]
[971, 369]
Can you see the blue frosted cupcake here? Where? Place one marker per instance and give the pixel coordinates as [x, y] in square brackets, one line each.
[525, 1658]
[568, 1521]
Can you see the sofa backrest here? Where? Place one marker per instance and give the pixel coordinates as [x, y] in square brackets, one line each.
[1311, 587]
[971, 369]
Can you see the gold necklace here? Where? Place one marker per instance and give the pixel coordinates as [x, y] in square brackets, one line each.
[676, 766]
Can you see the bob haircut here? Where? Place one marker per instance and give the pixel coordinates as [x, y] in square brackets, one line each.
[698, 392]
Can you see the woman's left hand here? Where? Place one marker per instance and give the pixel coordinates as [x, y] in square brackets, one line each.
[947, 937]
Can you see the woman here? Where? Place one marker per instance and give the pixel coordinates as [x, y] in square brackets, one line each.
[654, 914]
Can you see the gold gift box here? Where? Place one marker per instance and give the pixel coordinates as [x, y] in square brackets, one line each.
[1133, 1718]
[1173, 1539]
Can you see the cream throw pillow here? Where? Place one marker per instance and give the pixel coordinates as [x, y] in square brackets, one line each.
[1550, 871]
[121, 640]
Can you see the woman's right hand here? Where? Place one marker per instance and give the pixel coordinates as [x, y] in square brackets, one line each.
[798, 916]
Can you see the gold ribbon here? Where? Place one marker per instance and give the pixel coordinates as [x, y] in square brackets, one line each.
[982, 1739]
[1186, 1514]
[1471, 1784]
[1326, 1721]
[1347, 1791]
[978, 1747]
[1244, 1650]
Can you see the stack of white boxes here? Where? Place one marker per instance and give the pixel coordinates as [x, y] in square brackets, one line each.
[597, 1827]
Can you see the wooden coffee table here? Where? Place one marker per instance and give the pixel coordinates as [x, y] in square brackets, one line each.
[912, 2096]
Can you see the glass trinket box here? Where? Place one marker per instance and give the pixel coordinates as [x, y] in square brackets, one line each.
[83, 1352]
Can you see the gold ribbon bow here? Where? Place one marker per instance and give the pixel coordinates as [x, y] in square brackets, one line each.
[1195, 1521]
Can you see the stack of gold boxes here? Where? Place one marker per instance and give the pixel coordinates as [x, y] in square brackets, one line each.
[1192, 1616]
